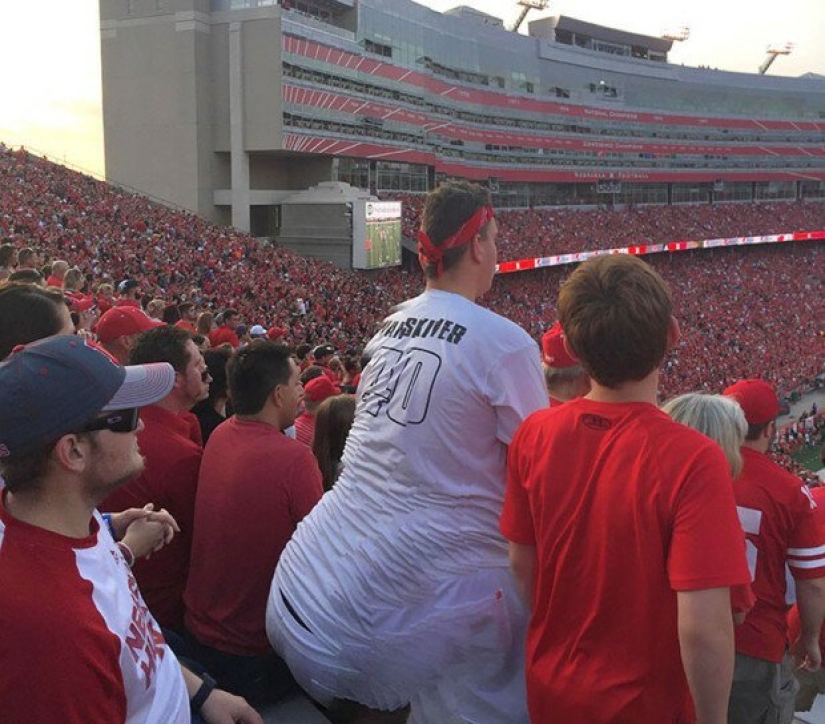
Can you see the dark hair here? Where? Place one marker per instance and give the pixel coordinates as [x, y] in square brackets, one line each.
[6, 254]
[170, 315]
[24, 255]
[310, 373]
[27, 469]
[755, 431]
[302, 350]
[333, 420]
[27, 313]
[228, 314]
[616, 311]
[445, 210]
[216, 361]
[254, 372]
[162, 344]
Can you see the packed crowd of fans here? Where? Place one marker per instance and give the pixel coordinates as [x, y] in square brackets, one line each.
[744, 312]
[528, 233]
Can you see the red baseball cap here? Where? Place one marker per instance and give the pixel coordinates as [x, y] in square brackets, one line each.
[321, 387]
[552, 349]
[122, 321]
[757, 399]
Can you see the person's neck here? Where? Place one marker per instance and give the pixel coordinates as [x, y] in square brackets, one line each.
[761, 445]
[633, 391]
[171, 404]
[455, 284]
[267, 416]
[65, 515]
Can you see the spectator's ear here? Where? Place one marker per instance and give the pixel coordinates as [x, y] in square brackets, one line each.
[674, 334]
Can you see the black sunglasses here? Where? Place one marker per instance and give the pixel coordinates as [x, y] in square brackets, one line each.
[115, 421]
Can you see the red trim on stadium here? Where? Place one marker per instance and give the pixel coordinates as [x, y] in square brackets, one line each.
[421, 81]
[338, 147]
[330, 100]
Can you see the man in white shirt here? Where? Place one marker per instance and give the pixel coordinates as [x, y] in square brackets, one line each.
[396, 589]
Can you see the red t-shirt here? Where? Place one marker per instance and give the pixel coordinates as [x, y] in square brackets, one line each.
[794, 627]
[625, 507]
[222, 335]
[305, 429]
[78, 645]
[169, 480]
[255, 486]
[777, 513]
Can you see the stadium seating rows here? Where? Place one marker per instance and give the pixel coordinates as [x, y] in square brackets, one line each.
[744, 312]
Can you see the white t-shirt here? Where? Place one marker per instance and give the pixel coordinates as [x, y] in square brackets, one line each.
[418, 502]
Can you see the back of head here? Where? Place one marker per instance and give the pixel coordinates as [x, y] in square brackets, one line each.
[616, 314]
[333, 421]
[28, 313]
[216, 362]
[759, 403]
[446, 210]
[254, 372]
[7, 255]
[716, 417]
[74, 280]
[162, 344]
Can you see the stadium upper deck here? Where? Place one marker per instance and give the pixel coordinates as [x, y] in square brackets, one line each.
[229, 104]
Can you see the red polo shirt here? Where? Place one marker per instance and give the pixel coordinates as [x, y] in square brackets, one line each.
[170, 481]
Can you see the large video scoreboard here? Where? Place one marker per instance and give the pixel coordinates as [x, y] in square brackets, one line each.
[376, 234]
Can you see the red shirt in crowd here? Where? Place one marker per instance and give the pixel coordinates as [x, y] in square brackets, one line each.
[794, 626]
[222, 335]
[777, 513]
[624, 507]
[256, 485]
[169, 481]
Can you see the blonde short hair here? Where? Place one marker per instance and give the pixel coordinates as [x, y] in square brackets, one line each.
[715, 417]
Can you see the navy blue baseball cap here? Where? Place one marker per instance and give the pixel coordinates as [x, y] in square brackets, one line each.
[56, 385]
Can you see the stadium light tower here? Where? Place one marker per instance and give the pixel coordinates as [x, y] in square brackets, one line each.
[679, 34]
[774, 50]
[526, 7]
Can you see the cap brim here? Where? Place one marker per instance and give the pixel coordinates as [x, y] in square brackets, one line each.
[143, 385]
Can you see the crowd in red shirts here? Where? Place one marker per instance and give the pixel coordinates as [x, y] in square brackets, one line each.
[744, 312]
[528, 233]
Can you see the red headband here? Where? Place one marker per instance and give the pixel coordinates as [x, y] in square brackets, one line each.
[429, 252]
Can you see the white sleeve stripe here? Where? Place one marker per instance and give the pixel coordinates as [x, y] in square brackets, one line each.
[816, 563]
[806, 552]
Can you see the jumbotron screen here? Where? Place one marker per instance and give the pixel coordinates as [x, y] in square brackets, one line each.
[379, 245]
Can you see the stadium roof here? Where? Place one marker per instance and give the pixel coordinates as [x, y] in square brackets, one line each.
[538, 28]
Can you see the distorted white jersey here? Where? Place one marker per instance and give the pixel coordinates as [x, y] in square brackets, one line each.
[422, 487]
[77, 644]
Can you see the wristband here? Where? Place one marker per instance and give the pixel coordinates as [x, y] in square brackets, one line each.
[128, 556]
[107, 517]
[202, 694]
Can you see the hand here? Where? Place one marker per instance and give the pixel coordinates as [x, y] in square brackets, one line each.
[806, 654]
[122, 521]
[221, 707]
[144, 537]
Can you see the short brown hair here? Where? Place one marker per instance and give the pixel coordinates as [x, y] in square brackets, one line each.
[445, 210]
[616, 311]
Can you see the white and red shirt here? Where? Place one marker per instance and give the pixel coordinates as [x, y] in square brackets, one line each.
[78, 645]
[625, 508]
[778, 515]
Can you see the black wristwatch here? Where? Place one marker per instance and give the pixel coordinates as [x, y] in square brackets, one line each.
[202, 694]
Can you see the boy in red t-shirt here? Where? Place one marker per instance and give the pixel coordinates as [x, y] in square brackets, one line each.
[623, 525]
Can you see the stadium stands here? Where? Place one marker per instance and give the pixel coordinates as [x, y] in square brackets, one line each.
[744, 312]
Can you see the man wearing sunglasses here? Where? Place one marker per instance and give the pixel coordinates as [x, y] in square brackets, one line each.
[173, 457]
[78, 643]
